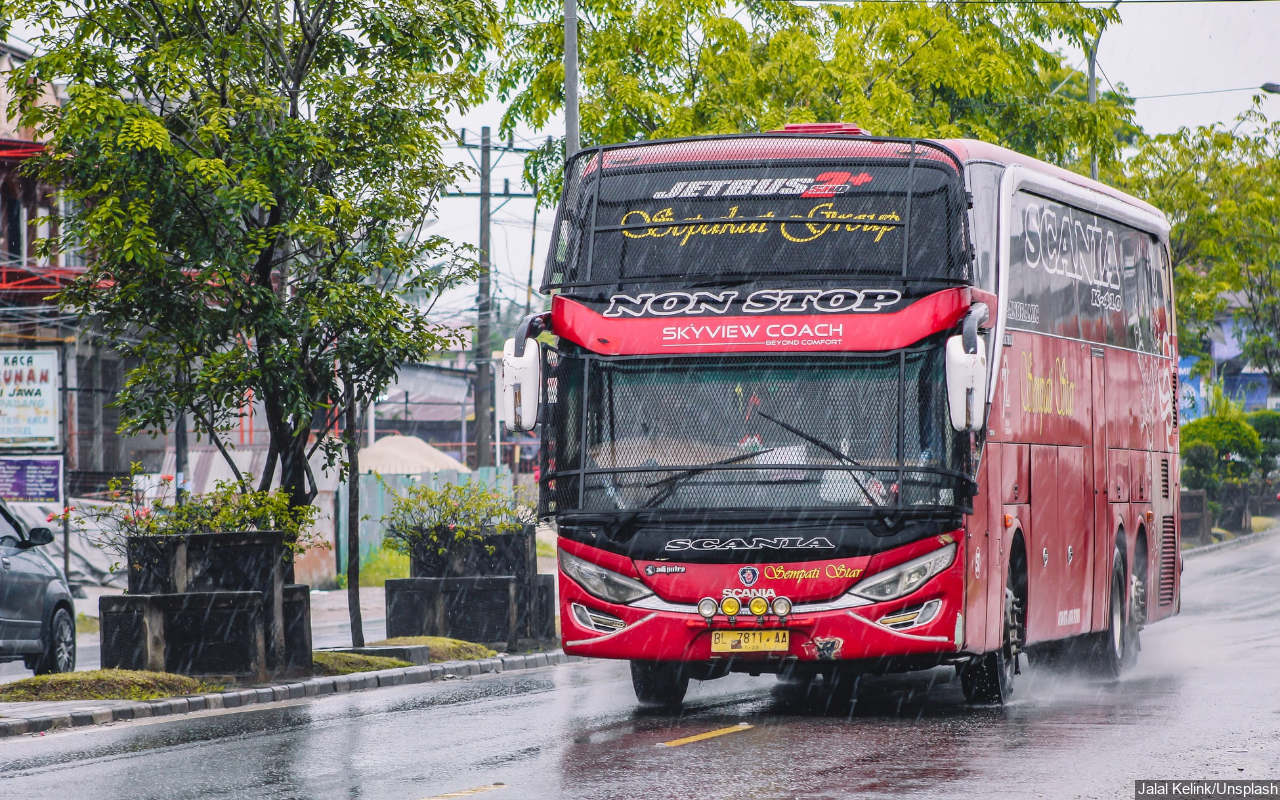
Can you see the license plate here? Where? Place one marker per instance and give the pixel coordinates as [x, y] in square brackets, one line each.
[771, 641]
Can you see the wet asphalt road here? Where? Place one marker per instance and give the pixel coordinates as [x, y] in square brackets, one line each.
[1203, 703]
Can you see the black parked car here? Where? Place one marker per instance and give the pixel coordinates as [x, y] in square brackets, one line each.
[37, 617]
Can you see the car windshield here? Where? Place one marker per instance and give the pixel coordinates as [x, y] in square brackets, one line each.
[814, 432]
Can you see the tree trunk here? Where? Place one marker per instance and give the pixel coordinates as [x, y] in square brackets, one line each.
[353, 525]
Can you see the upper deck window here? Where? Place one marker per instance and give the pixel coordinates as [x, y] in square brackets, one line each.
[736, 209]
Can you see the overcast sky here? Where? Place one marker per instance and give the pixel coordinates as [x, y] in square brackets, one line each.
[1157, 49]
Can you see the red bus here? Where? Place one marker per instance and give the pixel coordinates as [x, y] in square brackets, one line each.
[818, 403]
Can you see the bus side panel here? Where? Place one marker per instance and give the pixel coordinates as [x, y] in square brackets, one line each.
[1102, 538]
[1075, 544]
[978, 551]
[1044, 579]
[1059, 546]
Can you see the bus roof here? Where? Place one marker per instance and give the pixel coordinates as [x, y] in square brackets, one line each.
[770, 145]
[969, 150]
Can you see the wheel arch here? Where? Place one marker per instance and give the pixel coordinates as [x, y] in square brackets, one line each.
[1017, 566]
[52, 604]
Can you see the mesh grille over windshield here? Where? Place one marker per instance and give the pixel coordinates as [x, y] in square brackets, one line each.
[744, 432]
[720, 209]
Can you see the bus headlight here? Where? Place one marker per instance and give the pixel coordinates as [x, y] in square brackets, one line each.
[603, 583]
[906, 578]
[708, 607]
[758, 606]
[730, 606]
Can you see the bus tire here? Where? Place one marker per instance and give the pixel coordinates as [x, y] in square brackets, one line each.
[1110, 647]
[659, 684]
[988, 678]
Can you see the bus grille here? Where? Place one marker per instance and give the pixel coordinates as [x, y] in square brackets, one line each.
[1164, 477]
[1168, 561]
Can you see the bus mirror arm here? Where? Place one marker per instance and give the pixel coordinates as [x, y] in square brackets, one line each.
[978, 314]
[529, 328]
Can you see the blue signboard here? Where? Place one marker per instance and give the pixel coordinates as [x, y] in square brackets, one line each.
[1190, 391]
[31, 479]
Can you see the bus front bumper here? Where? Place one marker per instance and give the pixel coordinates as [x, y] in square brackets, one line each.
[845, 628]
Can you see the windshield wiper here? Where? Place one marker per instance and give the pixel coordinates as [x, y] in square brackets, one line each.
[821, 445]
[676, 478]
[672, 481]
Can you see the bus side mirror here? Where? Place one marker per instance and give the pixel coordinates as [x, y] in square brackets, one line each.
[521, 384]
[966, 384]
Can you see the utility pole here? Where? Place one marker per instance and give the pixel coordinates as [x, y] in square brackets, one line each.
[482, 348]
[1093, 89]
[481, 352]
[571, 141]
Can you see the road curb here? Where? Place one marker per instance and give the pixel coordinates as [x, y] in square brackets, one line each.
[90, 714]
[1238, 542]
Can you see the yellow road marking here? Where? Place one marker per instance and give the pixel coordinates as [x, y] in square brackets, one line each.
[698, 737]
[466, 792]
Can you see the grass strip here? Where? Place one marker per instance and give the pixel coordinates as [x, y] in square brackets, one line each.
[442, 648]
[329, 663]
[104, 684]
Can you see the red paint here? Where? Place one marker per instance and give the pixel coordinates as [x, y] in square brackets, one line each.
[821, 128]
[750, 333]
[799, 581]
[618, 563]
[762, 147]
[666, 635]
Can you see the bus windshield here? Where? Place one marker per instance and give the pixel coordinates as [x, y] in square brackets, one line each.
[814, 432]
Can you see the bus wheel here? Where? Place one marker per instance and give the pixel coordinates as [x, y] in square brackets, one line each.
[1110, 647]
[659, 684]
[989, 677]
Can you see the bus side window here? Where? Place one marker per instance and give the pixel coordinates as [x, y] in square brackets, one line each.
[1163, 299]
[984, 182]
[1132, 253]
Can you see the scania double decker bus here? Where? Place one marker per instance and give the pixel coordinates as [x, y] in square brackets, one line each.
[814, 402]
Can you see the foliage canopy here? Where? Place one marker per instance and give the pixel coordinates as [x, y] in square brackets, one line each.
[251, 180]
[663, 68]
[1220, 188]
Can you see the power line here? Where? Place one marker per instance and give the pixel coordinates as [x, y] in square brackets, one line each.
[1205, 91]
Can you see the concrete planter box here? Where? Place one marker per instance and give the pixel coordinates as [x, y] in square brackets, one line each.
[214, 562]
[214, 634]
[469, 593]
[297, 629]
[478, 609]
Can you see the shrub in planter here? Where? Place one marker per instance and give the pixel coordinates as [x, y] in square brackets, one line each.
[472, 564]
[461, 530]
[229, 508]
[228, 540]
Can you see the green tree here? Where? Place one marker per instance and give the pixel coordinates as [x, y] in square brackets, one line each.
[1267, 423]
[1220, 188]
[1220, 452]
[251, 180]
[659, 68]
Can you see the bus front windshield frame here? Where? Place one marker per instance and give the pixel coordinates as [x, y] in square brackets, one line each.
[844, 433]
